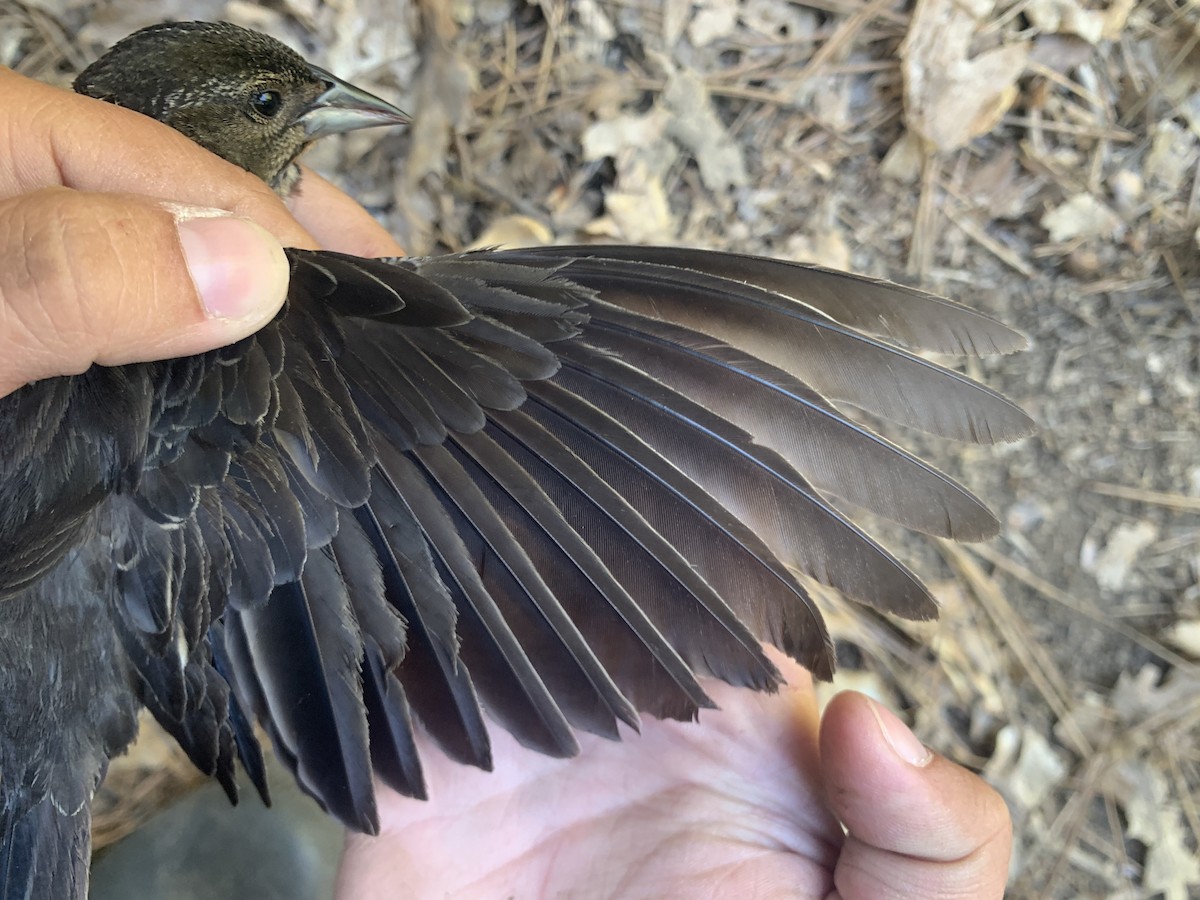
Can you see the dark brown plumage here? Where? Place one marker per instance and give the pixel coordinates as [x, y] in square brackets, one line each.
[556, 484]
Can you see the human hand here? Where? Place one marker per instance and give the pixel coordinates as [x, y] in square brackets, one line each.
[96, 269]
[745, 804]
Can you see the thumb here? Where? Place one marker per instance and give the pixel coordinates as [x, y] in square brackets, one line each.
[111, 279]
[917, 825]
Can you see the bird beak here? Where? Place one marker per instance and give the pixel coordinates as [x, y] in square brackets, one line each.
[343, 107]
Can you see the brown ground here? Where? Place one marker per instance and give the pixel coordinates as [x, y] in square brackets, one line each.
[1041, 161]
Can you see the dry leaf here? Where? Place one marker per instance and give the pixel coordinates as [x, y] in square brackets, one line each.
[513, 231]
[904, 159]
[637, 213]
[713, 19]
[1127, 189]
[1090, 716]
[624, 133]
[1060, 53]
[1026, 775]
[1172, 156]
[949, 98]
[1185, 636]
[1117, 18]
[827, 248]
[443, 97]
[769, 17]
[1138, 697]
[1081, 216]
[694, 124]
[675, 15]
[1067, 17]
[972, 660]
[1155, 820]
[1112, 565]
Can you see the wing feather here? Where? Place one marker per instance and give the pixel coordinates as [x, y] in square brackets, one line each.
[553, 485]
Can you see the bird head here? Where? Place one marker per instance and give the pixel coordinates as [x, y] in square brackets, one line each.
[242, 95]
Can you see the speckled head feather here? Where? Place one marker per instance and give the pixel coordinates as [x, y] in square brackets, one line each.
[243, 95]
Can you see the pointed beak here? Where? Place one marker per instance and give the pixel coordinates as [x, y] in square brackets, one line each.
[343, 107]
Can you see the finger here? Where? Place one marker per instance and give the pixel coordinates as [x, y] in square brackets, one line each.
[337, 221]
[917, 824]
[113, 279]
[53, 137]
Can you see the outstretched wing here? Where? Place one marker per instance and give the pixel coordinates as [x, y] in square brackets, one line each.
[553, 484]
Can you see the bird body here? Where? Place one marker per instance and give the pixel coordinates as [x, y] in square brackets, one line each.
[555, 484]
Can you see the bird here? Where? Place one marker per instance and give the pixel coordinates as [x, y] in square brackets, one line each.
[552, 488]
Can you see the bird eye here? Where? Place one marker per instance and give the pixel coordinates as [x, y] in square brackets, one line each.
[266, 103]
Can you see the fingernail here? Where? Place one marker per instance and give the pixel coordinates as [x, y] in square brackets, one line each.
[898, 736]
[238, 268]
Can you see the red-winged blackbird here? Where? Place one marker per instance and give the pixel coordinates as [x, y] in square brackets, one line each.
[555, 484]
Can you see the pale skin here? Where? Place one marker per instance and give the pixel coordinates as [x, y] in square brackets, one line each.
[765, 798]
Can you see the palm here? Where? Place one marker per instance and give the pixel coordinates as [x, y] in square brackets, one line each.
[734, 802]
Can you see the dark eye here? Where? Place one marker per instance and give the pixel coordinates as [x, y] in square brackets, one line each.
[266, 103]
